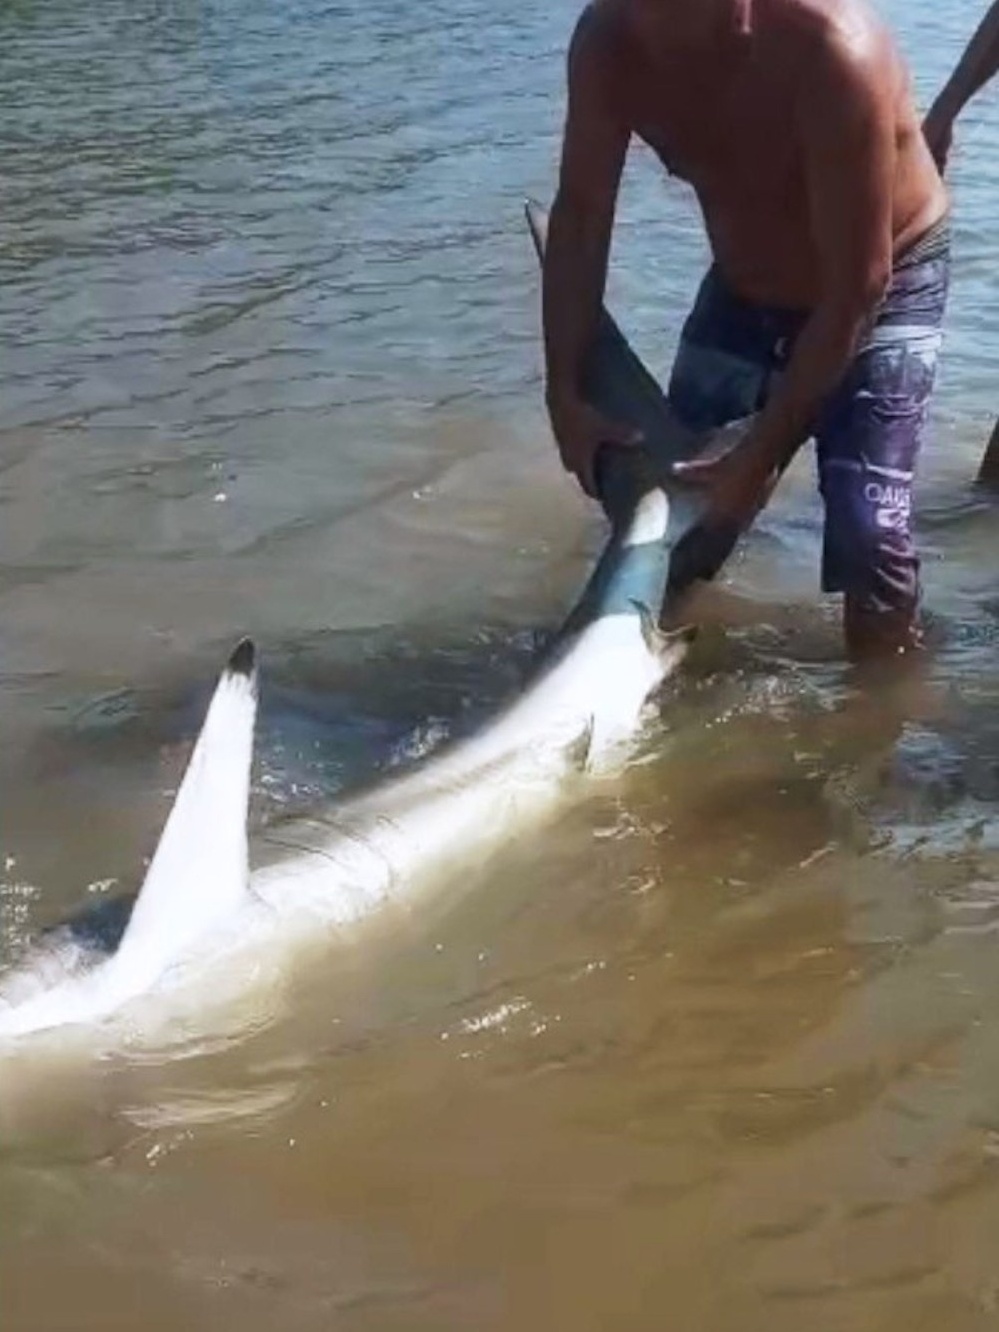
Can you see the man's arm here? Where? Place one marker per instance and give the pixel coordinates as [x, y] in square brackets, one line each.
[977, 66]
[594, 146]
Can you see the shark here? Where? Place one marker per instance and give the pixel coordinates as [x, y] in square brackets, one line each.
[215, 914]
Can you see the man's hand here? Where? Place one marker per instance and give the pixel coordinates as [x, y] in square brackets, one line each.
[579, 432]
[938, 131]
[738, 483]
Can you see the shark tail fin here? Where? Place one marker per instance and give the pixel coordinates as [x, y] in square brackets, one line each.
[200, 869]
[537, 221]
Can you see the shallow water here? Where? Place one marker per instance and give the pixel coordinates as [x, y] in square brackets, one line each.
[718, 1050]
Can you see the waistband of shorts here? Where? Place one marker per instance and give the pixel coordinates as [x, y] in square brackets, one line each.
[931, 246]
[928, 248]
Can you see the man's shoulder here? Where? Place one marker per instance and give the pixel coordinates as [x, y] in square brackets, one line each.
[600, 29]
[836, 35]
[847, 69]
[598, 50]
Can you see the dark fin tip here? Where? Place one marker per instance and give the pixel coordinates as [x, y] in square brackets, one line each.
[243, 658]
[537, 225]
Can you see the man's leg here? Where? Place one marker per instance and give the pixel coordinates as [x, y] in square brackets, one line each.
[868, 446]
[723, 365]
[723, 362]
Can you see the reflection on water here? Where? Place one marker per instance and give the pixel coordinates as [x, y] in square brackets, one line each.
[718, 1051]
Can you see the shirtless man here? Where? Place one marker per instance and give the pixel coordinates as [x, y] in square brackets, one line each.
[827, 220]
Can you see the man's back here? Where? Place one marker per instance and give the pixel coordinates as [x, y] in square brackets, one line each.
[725, 115]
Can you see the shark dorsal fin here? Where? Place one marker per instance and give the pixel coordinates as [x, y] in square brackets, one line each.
[200, 869]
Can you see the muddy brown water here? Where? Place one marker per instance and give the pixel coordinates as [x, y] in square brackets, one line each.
[716, 1051]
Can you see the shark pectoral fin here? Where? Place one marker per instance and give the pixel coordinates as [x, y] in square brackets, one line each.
[200, 869]
[582, 747]
[664, 646]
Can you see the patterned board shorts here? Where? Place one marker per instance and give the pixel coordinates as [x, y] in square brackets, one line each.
[868, 434]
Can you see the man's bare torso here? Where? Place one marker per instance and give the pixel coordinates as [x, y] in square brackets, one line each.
[724, 120]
